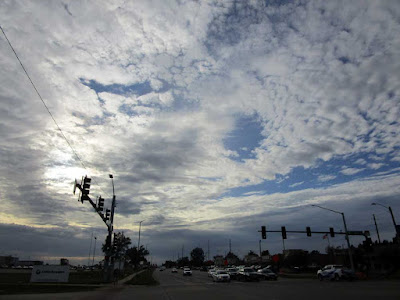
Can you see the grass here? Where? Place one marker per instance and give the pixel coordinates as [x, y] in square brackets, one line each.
[9, 289]
[82, 277]
[144, 278]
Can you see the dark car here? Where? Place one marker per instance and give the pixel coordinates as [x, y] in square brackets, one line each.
[267, 274]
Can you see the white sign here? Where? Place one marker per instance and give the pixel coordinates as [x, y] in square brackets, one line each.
[50, 273]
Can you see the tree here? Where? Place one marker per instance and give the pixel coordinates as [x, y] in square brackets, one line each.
[252, 253]
[119, 245]
[135, 257]
[264, 253]
[197, 255]
[183, 261]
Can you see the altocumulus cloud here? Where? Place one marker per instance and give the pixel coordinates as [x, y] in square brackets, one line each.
[152, 91]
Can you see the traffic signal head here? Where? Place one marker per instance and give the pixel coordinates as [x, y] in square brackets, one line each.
[85, 188]
[107, 214]
[284, 233]
[308, 229]
[263, 232]
[100, 204]
[332, 232]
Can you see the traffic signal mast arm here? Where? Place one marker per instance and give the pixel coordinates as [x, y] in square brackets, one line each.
[364, 233]
[87, 198]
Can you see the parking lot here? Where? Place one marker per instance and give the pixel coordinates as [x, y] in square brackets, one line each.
[200, 286]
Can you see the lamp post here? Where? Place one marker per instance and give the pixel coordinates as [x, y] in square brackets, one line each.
[140, 226]
[94, 250]
[346, 231]
[107, 266]
[391, 213]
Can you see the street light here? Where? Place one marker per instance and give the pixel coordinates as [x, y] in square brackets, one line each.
[140, 226]
[346, 231]
[391, 213]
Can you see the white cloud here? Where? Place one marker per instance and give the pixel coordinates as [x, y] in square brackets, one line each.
[321, 79]
[351, 171]
[324, 178]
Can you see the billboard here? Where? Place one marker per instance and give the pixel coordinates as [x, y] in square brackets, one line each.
[50, 273]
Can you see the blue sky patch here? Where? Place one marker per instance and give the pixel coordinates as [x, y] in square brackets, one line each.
[245, 137]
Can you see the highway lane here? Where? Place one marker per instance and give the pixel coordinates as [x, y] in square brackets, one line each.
[199, 286]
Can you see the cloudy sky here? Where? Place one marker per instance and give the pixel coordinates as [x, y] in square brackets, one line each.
[215, 117]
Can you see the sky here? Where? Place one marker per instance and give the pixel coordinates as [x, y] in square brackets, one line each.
[214, 117]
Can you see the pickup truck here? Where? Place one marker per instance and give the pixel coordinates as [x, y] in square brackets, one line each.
[335, 272]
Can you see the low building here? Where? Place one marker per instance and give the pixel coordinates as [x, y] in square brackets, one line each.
[8, 261]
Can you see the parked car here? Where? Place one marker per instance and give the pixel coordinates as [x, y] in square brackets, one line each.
[267, 274]
[335, 272]
[174, 270]
[248, 274]
[220, 276]
[211, 272]
[162, 269]
[233, 272]
[187, 272]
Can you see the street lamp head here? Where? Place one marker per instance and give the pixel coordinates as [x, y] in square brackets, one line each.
[111, 176]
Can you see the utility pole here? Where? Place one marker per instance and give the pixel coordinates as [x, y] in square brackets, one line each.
[377, 231]
[182, 250]
[259, 242]
[230, 246]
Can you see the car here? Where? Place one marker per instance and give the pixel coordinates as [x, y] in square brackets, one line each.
[221, 276]
[174, 270]
[233, 272]
[211, 272]
[335, 272]
[162, 269]
[248, 274]
[187, 272]
[267, 274]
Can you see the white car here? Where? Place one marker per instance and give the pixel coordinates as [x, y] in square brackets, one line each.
[211, 272]
[174, 270]
[221, 275]
[187, 272]
[335, 272]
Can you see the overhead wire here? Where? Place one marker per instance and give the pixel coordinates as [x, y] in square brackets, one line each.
[48, 110]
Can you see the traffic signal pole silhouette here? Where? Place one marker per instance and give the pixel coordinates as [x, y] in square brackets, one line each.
[107, 217]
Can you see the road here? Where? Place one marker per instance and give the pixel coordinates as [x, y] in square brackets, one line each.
[199, 286]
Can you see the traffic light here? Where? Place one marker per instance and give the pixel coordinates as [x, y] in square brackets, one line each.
[308, 229]
[100, 204]
[263, 232]
[85, 188]
[108, 211]
[332, 232]
[284, 232]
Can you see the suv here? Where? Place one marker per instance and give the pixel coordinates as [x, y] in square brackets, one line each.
[187, 272]
[335, 272]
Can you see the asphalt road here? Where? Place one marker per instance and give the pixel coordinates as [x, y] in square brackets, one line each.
[200, 286]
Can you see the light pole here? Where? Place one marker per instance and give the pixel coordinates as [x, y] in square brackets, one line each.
[346, 231]
[391, 213]
[94, 250]
[377, 231]
[140, 226]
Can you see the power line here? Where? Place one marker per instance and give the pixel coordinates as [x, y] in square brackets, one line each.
[47, 108]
